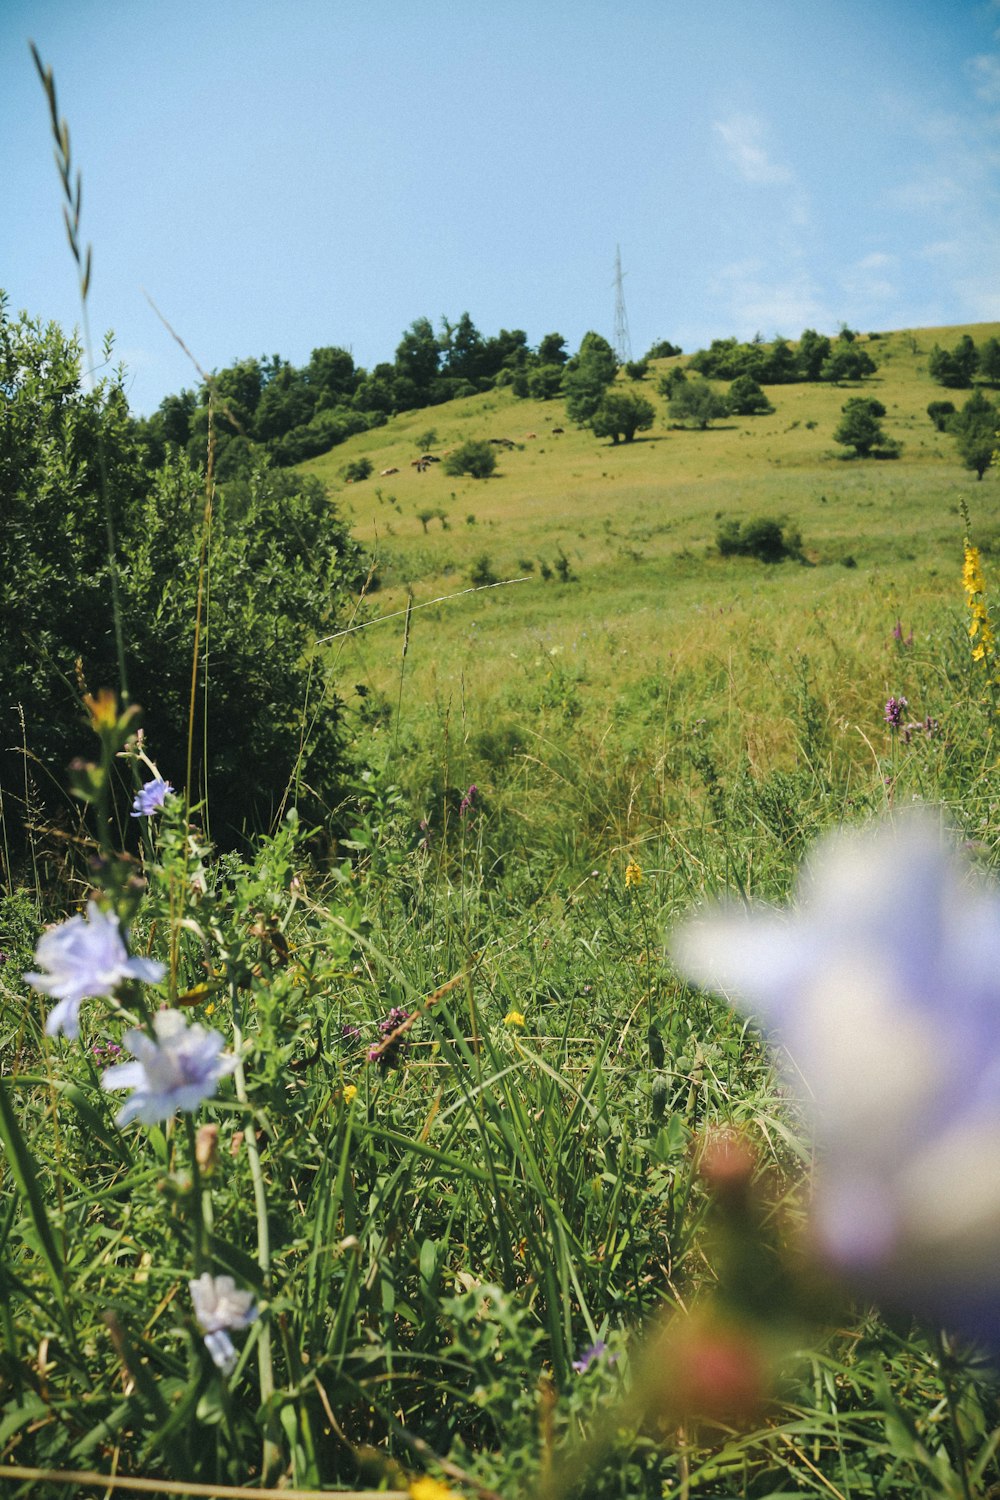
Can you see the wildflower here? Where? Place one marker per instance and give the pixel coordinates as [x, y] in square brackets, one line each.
[980, 629]
[514, 1018]
[86, 959]
[894, 710]
[178, 1070]
[350, 1034]
[468, 801]
[218, 1306]
[395, 1018]
[150, 798]
[350, 1092]
[897, 634]
[591, 1355]
[426, 1488]
[883, 986]
[633, 874]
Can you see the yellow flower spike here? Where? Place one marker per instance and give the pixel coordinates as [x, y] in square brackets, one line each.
[426, 1488]
[514, 1018]
[102, 708]
[633, 874]
[350, 1092]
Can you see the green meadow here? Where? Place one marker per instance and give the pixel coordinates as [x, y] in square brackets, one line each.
[657, 637]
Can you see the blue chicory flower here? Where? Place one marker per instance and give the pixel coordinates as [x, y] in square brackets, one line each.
[179, 1070]
[86, 958]
[883, 985]
[150, 798]
[218, 1306]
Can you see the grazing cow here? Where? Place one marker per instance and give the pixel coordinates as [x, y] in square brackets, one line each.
[429, 458]
[528, 435]
[557, 429]
[384, 472]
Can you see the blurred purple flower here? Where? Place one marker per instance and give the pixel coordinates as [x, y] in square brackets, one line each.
[395, 1018]
[894, 711]
[884, 986]
[86, 959]
[590, 1356]
[179, 1070]
[150, 798]
[218, 1306]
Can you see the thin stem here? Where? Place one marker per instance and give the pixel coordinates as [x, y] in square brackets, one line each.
[271, 1450]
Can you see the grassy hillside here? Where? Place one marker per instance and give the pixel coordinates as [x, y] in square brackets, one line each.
[657, 635]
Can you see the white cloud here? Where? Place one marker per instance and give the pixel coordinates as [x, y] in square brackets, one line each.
[744, 139]
[760, 300]
[985, 73]
[870, 281]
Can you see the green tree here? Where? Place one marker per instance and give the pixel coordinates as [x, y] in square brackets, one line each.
[747, 399]
[695, 402]
[814, 350]
[974, 429]
[859, 426]
[476, 457]
[545, 382]
[989, 361]
[847, 361]
[552, 350]
[418, 355]
[955, 367]
[588, 375]
[637, 369]
[663, 349]
[622, 414]
[941, 413]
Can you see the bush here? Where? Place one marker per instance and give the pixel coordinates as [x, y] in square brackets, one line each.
[940, 413]
[747, 399]
[765, 539]
[475, 457]
[282, 566]
[358, 470]
[482, 572]
[637, 369]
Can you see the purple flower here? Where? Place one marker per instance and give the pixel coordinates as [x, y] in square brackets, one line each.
[395, 1018]
[178, 1070]
[218, 1306]
[894, 711]
[884, 986]
[350, 1035]
[86, 958]
[590, 1355]
[150, 798]
[468, 801]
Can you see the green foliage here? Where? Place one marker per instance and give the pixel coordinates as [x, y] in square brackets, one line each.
[357, 470]
[544, 383]
[483, 573]
[974, 428]
[954, 367]
[552, 350]
[637, 369]
[746, 398]
[476, 457]
[941, 413]
[588, 375]
[764, 538]
[622, 414]
[279, 570]
[662, 349]
[696, 404]
[847, 361]
[860, 428]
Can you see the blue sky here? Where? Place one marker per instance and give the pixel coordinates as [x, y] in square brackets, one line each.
[283, 174]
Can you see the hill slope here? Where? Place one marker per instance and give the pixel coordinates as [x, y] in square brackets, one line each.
[653, 614]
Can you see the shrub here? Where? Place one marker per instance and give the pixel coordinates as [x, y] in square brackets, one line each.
[482, 572]
[747, 399]
[765, 539]
[637, 369]
[475, 457]
[357, 470]
[940, 412]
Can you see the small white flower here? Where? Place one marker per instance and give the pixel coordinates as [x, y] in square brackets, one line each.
[86, 958]
[218, 1306]
[178, 1070]
[883, 985]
